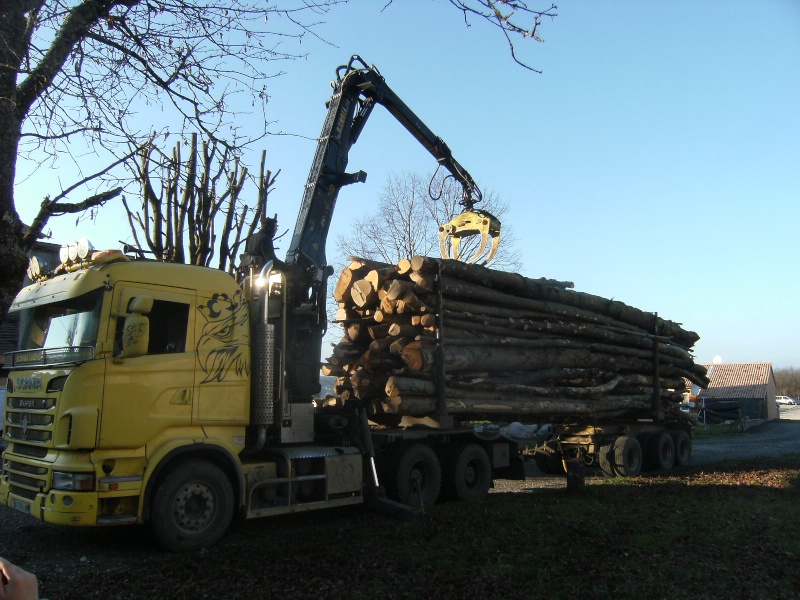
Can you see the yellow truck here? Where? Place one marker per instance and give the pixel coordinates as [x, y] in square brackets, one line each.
[181, 396]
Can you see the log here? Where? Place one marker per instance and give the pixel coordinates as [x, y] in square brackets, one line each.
[377, 332]
[513, 283]
[348, 276]
[399, 288]
[404, 330]
[565, 304]
[363, 293]
[509, 405]
[377, 277]
[405, 386]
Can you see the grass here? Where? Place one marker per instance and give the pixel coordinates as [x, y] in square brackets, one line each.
[721, 531]
[717, 430]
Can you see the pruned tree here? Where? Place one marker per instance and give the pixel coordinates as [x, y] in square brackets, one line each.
[406, 218]
[192, 206]
[79, 73]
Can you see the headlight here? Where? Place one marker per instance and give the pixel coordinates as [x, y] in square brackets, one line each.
[73, 481]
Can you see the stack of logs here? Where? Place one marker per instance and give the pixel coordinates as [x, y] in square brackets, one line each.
[428, 337]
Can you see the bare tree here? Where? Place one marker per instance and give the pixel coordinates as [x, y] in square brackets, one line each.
[406, 222]
[192, 206]
[513, 18]
[788, 382]
[82, 71]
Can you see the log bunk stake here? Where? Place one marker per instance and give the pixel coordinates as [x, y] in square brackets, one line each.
[439, 339]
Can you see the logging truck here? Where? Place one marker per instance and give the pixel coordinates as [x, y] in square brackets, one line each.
[182, 396]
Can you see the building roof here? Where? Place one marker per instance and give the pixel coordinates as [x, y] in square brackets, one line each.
[738, 380]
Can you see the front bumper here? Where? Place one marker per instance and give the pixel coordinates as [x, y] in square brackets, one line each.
[57, 507]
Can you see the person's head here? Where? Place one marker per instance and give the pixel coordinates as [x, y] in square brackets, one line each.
[271, 225]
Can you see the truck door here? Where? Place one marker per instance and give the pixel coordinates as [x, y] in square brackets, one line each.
[146, 395]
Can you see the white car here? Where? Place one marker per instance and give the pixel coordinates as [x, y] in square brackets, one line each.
[785, 400]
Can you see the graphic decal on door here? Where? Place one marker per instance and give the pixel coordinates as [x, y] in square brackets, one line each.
[222, 346]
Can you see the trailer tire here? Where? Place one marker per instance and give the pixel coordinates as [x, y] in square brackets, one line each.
[415, 476]
[627, 456]
[661, 450]
[644, 442]
[605, 458]
[467, 473]
[683, 447]
[192, 506]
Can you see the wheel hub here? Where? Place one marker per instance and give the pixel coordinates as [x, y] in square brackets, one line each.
[194, 507]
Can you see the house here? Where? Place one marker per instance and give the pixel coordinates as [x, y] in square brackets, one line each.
[739, 391]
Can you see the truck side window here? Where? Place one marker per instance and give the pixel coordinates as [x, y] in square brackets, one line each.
[169, 324]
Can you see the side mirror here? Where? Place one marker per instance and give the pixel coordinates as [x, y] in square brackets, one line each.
[136, 331]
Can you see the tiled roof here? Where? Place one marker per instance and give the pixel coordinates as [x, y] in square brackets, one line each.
[738, 380]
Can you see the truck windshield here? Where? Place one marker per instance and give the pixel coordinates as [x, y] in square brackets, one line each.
[65, 324]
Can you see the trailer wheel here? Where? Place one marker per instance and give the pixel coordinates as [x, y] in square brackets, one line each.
[644, 442]
[467, 473]
[661, 450]
[192, 506]
[605, 458]
[627, 456]
[415, 476]
[683, 447]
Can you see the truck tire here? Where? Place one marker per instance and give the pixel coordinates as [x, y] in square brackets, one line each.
[192, 506]
[627, 456]
[683, 447]
[467, 473]
[605, 458]
[415, 476]
[660, 450]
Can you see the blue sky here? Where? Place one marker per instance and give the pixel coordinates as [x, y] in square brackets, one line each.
[656, 159]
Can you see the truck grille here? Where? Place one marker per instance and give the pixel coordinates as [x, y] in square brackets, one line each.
[29, 420]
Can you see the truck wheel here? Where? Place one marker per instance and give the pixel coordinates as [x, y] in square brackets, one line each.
[627, 456]
[467, 473]
[661, 450]
[605, 458]
[415, 476]
[683, 447]
[192, 506]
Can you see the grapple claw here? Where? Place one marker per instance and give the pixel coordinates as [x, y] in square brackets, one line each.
[467, 225]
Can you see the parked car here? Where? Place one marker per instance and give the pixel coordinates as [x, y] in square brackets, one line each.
[785, 400]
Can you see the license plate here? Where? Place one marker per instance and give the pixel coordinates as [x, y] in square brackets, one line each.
[21, 506]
